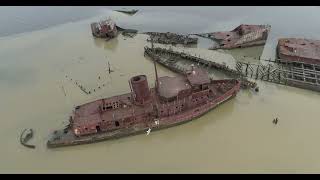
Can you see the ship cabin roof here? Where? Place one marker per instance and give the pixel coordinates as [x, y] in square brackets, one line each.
[170, 87]
[198, 77]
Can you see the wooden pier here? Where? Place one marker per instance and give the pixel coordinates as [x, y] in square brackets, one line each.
[289, 73]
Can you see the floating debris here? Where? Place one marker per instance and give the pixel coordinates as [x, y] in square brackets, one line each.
[275, 121]
[63, 90]
[25, 136]
[109, 68]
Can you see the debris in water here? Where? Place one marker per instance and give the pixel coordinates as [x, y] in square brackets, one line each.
[63, 90]
[275, 121]
[148, 132]
[25, 136]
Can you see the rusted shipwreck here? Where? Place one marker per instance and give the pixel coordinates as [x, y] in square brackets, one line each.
[242, 36]
[171, 59]
[171, 38]
[104, 29]
[173, 101]
[298, 50]
[129, 12]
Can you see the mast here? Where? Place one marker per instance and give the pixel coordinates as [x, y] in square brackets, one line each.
[155, 67]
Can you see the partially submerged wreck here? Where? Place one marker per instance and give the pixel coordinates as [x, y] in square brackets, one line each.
[242, 36]
[104, 29]
[129, 12]
[171, 38]
[173, 101]
[299, 50]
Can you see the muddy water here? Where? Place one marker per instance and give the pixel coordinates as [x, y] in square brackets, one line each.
[37, 92]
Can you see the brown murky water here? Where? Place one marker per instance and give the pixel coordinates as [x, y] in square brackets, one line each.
[236, 137]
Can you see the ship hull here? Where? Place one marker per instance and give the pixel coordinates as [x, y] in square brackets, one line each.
[69, 139]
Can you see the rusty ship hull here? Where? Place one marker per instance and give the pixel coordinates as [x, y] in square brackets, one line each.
[173, 101]
[242, 36]
[104, 29]
[299, 50]
[69, 139]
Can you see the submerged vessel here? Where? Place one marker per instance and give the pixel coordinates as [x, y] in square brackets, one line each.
[299, 50]
[104, 29]
[242, 36]
[173, 101]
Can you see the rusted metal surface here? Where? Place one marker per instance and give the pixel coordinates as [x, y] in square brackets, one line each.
[171, 38]
[166, 105]
[104, 29]
[169, 58]
[299, 50]
[242, 36]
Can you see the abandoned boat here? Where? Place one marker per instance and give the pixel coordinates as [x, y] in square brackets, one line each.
[299, 50]
[242, 36]
[173, 101]
[129, 12]
[104, 29]
[171, 38]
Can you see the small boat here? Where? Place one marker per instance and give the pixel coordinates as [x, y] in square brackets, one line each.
[130, 12]
[25, 136]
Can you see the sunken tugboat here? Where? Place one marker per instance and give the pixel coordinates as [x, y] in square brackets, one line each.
[104, 29]
[173, 101]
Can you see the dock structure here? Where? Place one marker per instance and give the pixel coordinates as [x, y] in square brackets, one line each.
[297, 74]
[169, 59]
[279, 71]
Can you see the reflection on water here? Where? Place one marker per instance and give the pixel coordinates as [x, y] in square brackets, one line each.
[247, 53]
[237, 136]
[108, 45]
